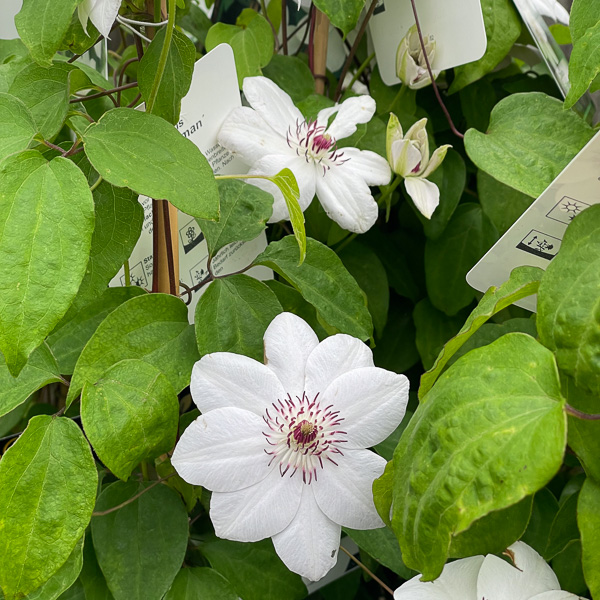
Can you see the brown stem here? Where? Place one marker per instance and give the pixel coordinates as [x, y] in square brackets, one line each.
[73, 149]
[455, 131]
[284, 27]
[127, 86]
[578, 414]
[155, 245]
[368, 571]
[350, 58]
[76, 56]
[169, 247]
[54, 147]
[101, 513]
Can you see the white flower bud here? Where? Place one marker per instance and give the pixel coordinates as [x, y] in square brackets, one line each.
[411, 67]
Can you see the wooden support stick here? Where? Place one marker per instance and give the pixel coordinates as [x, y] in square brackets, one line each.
[321, 38]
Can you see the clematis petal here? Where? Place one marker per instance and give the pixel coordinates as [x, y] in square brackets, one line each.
[347, 199]
[351, 112]
[344, 491]
[458, 581]
[333, 357]
[531, 575]
[259, 511]
[310, 543]
[272, 104]
[372, 402]
[436, 160]
[246, 134]
[305, 177]
[406, 158]
[225, 379]
[424, 193]
[102, 13]
[374, 169]
[289, 341]
[557, 595]
[223, 450]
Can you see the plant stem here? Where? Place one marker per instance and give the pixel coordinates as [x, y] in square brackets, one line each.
[284, 27]
[578, 414]
[360, 70]
[169, 247]
[127, 273]
[387, 195]
[96, 183]
[54, 147]
[103, 93]
[162, 61]
[144, 466]
[367, 571]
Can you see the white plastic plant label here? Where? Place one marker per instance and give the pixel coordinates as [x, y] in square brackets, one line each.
[214, 93]
[535, 238]
[456, 26]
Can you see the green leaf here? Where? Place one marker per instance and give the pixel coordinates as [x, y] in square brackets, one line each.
[42, 26]
[502, 28]
[323, 281]
[143, 152]
[40, 370]
[569, 570]
[531, 139]
[254, 570]
[382, 493]
[396, 349]
[177, 76]
[292, 75]
[153, 328]
[74, 331]
[46, 224]
[140, 547]
[233, 315]
[47, 492]
[342, 13]
[10, 69]
[584, 14]
[130, 415]
[45, 92]
[493, 533]
[490, 432]
[287, 184]
[501, 203]
[584, 65]
[17, 126]
[251, 39]
[449, 258]
[523, 282]
[91, 578]
[588, 519]
[76, 40]
[200, 582]
[544, 510]
[563, 528]
[245, 210]
[63, 579]
[568, 318]
[382, 545]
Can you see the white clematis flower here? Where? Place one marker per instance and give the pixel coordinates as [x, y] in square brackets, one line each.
[102, 13]
[282, 444]
[411, 67]
[491, 578]
[273, 135]
[409, 157]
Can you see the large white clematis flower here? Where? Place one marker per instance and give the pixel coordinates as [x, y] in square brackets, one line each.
[102, 13]
[490, 578]
[282, 444]
[273, 135]
[411, 66]
[409, 157]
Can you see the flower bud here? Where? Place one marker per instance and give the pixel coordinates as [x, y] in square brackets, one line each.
[411, 67]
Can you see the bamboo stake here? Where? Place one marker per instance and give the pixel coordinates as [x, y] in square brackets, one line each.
[321, 37]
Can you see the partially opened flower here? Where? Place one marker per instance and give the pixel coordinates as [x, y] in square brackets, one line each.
[409, 157]
[273, 135]
[282, 444]
[528, 578]
[102, 13]
[411, 67]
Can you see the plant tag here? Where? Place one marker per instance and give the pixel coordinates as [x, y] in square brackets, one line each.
[536, 236]
[456, 26]
[213, 94]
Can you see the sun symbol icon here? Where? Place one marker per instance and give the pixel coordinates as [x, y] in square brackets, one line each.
[571, 208]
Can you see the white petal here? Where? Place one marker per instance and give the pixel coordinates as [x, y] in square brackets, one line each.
[531, 575]
[406, 158]
[303, 172]
[458, 581]
[258, 511]
[344, 491]
[424, 193]
[351, 112]
[557, 595]
[310, 544]
[226, 379]
[83, 12]
[223, 450]
[436, 160]
[347, 199]
[246, 134]
[333, 357]
[325, 113]
[272, 104]
[289, 340]
[374, 169]
[372, 402]
[103, 15]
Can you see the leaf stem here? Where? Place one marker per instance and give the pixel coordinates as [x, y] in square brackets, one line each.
[96, 183]
[162, 61]
[578, 414]
[103, 93]
[368, 571]
[127, 273]
[360, 70]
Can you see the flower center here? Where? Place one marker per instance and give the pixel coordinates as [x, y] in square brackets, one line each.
[310, 140]
[301, 435]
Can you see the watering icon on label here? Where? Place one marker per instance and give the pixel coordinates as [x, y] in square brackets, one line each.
[540, 244]
[566, 210]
